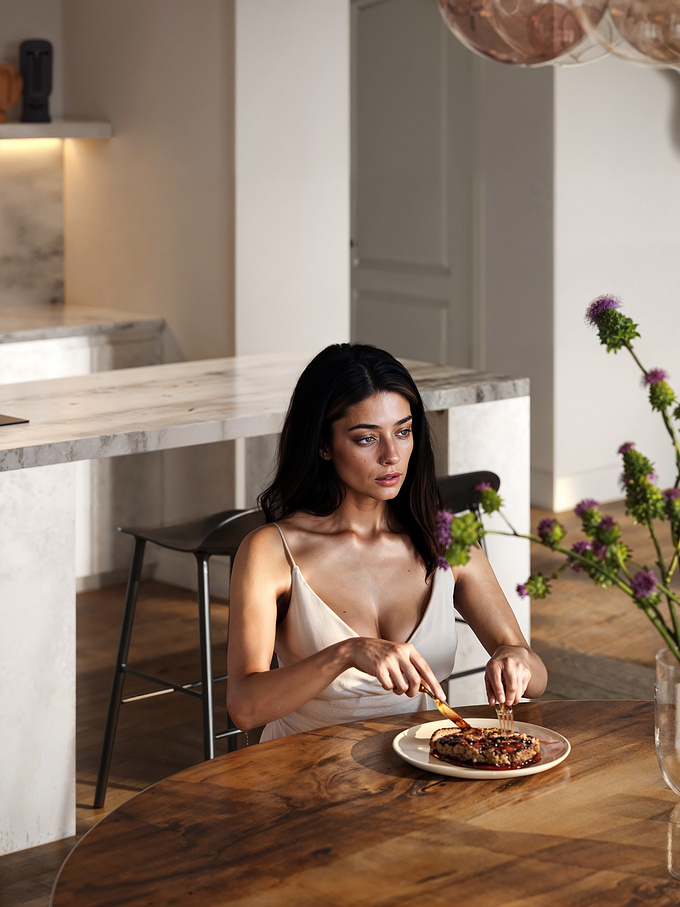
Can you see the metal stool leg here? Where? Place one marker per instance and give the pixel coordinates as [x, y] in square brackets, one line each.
[232, 739]
[119, 673]
[206, 656]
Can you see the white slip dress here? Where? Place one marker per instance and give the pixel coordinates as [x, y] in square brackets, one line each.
[310, 625]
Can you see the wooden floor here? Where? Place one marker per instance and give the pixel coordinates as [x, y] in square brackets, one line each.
[595, 643]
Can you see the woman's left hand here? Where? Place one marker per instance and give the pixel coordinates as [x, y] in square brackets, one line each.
[507, 675]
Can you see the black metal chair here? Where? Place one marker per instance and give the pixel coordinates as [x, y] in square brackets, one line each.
[458, 496]
[218, 534]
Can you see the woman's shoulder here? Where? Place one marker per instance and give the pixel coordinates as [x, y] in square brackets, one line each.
[273, 537]
[262, 546]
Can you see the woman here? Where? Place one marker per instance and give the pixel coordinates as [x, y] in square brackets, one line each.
[342, 582]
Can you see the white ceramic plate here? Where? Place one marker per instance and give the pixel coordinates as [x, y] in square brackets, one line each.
[413, 745]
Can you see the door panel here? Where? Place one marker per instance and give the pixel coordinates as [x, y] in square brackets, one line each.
[409, 327]
[412, 186]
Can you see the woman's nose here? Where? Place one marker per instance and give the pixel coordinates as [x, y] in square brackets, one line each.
[389, 453]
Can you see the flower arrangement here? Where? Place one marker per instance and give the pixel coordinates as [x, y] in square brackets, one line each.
[602, 553]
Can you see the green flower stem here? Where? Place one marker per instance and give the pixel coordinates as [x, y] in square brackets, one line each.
[667, 422]
[573, 555]
[512, 528]
[659, 623]
[629, 347]
[671, 431]
[622, 565]
[672, 610]
[671, 599]
[659, 555]
[671, 636]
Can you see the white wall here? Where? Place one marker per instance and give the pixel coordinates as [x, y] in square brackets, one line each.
[616, 230]
[149, 215]
[578, 172]
[292, 174]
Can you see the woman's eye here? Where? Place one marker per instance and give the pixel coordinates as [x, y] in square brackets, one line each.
[366, 440]
[404, 433]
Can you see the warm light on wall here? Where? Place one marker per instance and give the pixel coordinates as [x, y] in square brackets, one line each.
[535, 33]
[27, 146]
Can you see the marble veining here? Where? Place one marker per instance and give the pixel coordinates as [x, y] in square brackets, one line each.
[50, 321]
[31, 224]
[108, 414]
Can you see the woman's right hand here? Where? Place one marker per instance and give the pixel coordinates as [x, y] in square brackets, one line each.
[397, 666]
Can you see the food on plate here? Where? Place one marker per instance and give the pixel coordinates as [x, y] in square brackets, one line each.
[481, 747]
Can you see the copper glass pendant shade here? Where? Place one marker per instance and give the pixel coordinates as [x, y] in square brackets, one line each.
[533, 33]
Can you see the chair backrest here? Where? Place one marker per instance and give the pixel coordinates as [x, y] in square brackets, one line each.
[459, 494]
[225, 537]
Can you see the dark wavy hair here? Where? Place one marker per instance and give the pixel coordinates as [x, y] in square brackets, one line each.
[338, 377]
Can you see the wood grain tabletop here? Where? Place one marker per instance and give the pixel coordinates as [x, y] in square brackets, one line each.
[336, 817]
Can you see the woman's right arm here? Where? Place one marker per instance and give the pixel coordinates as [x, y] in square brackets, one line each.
[257, 695]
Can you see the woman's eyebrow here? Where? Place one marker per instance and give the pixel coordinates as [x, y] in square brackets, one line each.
[367, 425]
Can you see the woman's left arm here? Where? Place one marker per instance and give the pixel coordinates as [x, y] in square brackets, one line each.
[514, 669]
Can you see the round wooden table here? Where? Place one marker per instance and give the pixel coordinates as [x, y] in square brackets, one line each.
[335, 817]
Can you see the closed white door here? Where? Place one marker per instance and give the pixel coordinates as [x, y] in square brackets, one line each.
[412, 183]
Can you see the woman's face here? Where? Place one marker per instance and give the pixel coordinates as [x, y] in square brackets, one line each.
[371, 446]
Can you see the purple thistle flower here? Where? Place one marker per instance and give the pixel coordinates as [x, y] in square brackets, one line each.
[586, 504]
[625, 447]
[599, 550]
[545, 527]
[672, 494]
[607, 523]
[654, 376]
[643, 583]
[482, 486]
[581, 547]
[522, 590]
[443, 563]
[443, 528]
[600, 305]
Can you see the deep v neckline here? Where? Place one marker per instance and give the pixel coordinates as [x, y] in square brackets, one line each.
[299, 574]
[296, 572]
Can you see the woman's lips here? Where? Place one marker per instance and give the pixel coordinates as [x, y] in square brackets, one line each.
[389, 480]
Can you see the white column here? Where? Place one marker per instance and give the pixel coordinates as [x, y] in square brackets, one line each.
[292, 175]
[493, 436]
[37, 656]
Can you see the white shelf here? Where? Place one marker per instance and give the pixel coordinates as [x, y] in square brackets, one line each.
[59, 129]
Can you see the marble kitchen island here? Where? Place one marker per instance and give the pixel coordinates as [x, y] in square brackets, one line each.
[479, 421]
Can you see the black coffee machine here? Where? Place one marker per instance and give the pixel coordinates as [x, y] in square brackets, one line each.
[35, 65]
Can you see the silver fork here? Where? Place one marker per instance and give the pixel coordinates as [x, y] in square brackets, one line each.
[504, 715]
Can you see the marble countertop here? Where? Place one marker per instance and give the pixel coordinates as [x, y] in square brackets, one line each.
[158, 407]
[43, 322]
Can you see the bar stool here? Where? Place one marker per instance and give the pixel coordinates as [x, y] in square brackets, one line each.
[458, 492]
[218, 534]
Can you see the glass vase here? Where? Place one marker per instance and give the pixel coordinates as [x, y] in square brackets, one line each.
[667, 717]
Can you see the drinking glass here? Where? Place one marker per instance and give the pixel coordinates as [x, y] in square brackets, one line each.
[667, 717]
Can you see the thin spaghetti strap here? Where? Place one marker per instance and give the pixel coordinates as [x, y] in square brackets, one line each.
[285, 545]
